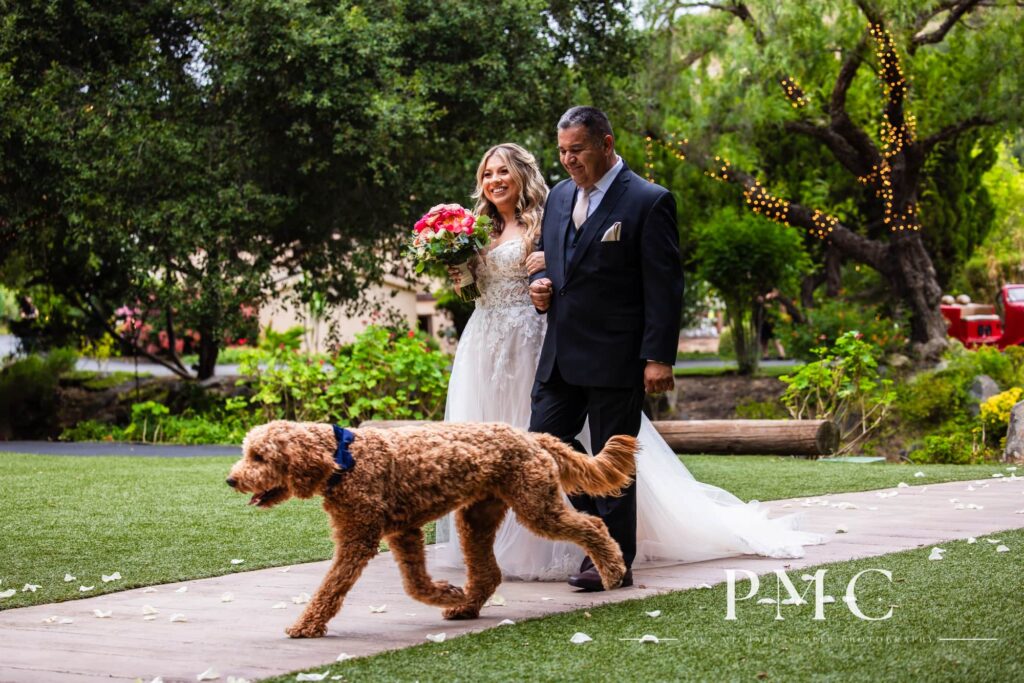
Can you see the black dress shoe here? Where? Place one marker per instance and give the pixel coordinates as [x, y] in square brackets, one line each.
[590, 580]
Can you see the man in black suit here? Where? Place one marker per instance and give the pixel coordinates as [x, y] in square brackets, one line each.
[612, 292]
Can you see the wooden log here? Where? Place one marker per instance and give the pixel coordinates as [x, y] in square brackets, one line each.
[751, 437]
[728, 437]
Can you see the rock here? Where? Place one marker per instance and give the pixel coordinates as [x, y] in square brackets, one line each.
[1015, 434]
[898, 361]
[982, 389]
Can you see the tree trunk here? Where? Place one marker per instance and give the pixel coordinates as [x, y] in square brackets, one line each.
[912, 276]
[208, 350]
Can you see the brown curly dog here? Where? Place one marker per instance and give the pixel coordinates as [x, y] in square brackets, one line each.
[405, 477]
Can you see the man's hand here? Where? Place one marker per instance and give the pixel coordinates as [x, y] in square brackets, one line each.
[658, 377]
[540, 294]
[535, 262]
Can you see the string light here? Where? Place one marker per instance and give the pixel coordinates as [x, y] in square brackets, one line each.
[794, 93]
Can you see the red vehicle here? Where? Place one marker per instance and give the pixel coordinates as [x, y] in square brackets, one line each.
[975, 325]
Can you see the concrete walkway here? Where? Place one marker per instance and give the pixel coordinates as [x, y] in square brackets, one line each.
[245, 637]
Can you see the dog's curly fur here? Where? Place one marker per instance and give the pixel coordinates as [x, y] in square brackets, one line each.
[408, 476]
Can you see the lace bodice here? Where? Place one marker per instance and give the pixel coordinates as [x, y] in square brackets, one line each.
[503, 279]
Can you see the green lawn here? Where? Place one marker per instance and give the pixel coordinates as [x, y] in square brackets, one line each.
[730, 369]
[157, 520]
[973, 593]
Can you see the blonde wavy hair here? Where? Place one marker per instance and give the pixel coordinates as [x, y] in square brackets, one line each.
[532, 190]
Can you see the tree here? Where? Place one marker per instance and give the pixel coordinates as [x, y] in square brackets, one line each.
[174, 159]
[745, 257]
[760, 71]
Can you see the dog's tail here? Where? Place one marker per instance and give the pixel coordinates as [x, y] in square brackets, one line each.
[604, 475]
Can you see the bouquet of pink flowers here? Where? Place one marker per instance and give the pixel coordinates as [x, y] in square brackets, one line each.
[451, 235]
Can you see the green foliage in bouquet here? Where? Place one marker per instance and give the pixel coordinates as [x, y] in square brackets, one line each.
[844, 385]
[383, 375]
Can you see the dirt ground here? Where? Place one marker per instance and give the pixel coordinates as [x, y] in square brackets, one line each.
[715, 398]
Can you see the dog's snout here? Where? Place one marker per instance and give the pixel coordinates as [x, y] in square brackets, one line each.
[232, 482]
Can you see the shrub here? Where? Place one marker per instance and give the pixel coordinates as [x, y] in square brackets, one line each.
[153, 423]
[382, 375]
[28, 394]
[835, 317]
[995, 414]
[843, 386]
[952, 449]
[726, 349]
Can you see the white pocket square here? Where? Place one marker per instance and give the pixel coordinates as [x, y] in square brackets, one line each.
[613, 233]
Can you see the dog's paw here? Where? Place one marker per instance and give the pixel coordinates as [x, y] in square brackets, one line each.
[463, 612]
[305, 630]
[446, 591]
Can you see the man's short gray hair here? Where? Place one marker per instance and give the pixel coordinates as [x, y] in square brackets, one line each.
[593, 119]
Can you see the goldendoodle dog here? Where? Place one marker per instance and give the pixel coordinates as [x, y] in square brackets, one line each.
[387, 483]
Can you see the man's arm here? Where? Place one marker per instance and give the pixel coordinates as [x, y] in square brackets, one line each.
[662, 274]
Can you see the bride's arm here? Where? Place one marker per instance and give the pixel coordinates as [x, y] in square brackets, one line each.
[535, 262]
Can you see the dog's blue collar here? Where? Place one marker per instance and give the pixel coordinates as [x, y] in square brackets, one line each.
[342, 457]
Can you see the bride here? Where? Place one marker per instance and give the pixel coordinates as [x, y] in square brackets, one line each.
[678, 518]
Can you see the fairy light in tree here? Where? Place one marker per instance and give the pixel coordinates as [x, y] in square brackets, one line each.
[765, 204]
[649, 158]
[794, 93]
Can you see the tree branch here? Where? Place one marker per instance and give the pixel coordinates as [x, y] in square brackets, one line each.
[845, 153]
[952, 131]
[737, 9]
[955, 13]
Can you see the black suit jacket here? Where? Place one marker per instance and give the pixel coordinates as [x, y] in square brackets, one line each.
[616, 304]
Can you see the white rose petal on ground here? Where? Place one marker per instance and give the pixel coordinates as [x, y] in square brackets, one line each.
[903, 485]
[579, 638]
[7, 593]
[496, 601]
[100, 614]
[344, 657]
[279, 605]
[872, 507]
[936, 554]
[66, 620]
[648, 638]
[68, 578]
[437, 637]
[111, 577]
[50, 620]
[919, 474]
[844, 506]
[300, 599]
[238, 679]
[159, 679]
[766, 601]
[954, 500]
[787, 505]
[704, 585]
[208, 675]
[378, 610]
[545, 599]
[969, 488]
[227, 597]
[971, 539]
[1018, 512]
[85, 589]
[30, 588]
[237, 561]
[997, 475]
[178, 618]
[312, 677]
[1002, 549]
[1011, 469]
[654, 615]
[994, 540]
[149, 590]
[506, 622]
[972, 506]
[149, 609]
[183, 589]
[285, 570]
[842, 529]
[827, 599]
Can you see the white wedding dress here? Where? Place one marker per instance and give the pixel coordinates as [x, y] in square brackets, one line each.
[678, 518]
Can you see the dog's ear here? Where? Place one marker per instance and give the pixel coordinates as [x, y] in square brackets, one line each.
[309, 466]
